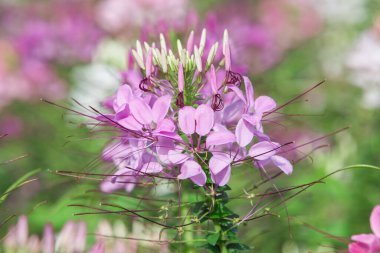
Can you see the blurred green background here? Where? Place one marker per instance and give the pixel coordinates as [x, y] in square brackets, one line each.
[339, 52]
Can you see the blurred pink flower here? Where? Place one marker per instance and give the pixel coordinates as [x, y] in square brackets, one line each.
[61, 31]
[10, 125]
[368, 243]
[261, 33]
[73, 238]
[37, 41]
[116, 16]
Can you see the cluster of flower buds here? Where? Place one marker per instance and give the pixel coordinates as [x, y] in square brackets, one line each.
[188, 118]
[72, 238]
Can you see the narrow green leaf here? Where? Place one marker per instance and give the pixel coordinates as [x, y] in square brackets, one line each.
[19, 183]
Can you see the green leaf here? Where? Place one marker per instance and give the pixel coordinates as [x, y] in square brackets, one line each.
[213, 238]
[19, 183]
[211, 248]
[235, 247]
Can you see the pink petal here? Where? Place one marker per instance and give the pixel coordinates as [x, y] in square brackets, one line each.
[190, 43]
[199, 179]
[105, 117]
[130, 123]
[264, 104]
[186, 120]
[118, 181]
[219, 138]
[129, 186]
[148, 63]
[152, 167]
[22, 230]
[181, 78]
[166, 125]
[48, 239]
[238, 93]
[367, 239]
[177, 157]
[193, 170]
[227, 58]
[357, 248]
[204, 117]
[375, 221]
[254, 119]
[170, 135]
[161, 108]
[243, 134]
[189, 169]
[214, 86]
[283, 164]
[97, 248]
[218, 162]
[123, 96]
[123, 112]
[141, 111]
[262, 150]
[80, 237]
[222, 177]
[233, 112]
[249, 93]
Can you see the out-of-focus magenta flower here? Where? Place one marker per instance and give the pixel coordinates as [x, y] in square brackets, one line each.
[11, 125]
[290, 21]
[368, 243]
[18, 239]
[38, 39]
[26, 79]
[262, 32]
[117, 16]
[60, 31]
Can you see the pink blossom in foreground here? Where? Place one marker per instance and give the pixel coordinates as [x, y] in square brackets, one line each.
[187, 119]
[368, 243]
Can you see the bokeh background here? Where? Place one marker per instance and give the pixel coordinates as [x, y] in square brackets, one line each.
[62, 49]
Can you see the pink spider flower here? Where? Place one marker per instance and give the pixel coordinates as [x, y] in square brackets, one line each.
[368, 243]
[186, 118]
[250, 123]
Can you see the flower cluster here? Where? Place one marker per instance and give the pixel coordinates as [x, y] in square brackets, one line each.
[368, 243]
[73, 238]
[38, 41]
[187, 112]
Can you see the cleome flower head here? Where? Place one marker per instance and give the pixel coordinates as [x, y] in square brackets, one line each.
[187, 117]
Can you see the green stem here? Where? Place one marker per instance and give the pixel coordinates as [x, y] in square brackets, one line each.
[221, 217]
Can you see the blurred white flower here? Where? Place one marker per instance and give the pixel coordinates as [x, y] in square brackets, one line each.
[342, 11]
[364, 63]
[339, 17]
[93, 83]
